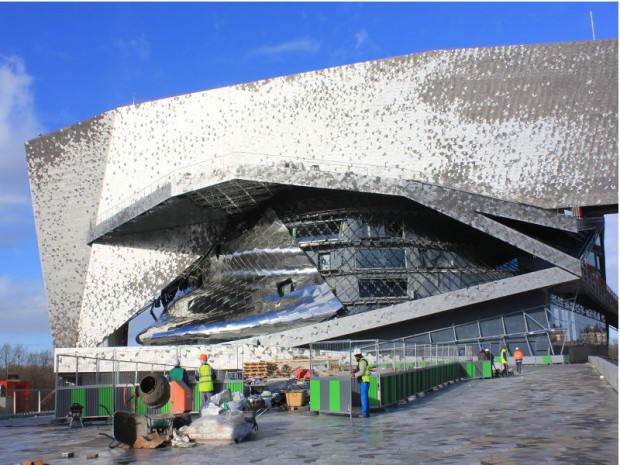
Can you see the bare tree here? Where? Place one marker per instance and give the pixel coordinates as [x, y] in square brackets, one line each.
[36, 367]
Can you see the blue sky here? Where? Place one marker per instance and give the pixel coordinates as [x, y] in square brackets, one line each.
[62, 63]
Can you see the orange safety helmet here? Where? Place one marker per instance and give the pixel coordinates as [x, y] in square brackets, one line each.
[203, 357]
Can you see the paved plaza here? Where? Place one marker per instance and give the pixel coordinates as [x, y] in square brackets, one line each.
[562, 414]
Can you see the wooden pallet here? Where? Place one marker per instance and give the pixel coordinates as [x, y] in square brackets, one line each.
[258, 369]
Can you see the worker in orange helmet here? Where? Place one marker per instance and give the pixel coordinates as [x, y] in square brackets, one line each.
[205, 375]
[518, 359]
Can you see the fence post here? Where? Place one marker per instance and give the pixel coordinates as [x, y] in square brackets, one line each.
[39, 402]
[14, 401]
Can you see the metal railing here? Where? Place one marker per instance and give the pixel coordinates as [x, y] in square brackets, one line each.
[81, 370]
[335, 358]
[16, 402]
[596, 281]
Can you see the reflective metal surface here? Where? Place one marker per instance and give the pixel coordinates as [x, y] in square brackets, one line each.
[256, 283]
[317, 254]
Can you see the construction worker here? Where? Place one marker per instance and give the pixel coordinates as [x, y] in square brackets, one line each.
[178, 373]
[205, 375]
[504, 359]
[363, 376]
[518, 359]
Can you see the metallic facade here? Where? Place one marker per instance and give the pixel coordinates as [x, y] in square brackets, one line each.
[477, 153]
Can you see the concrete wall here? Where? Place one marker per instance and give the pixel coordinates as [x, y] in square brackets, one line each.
[607, 370]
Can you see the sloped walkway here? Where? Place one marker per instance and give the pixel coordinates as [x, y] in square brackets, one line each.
[562, 414]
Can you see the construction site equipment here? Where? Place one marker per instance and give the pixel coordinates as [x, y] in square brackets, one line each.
[75, 414]
[104, 385]
[146, 431]
[154, 390]
[180, 398]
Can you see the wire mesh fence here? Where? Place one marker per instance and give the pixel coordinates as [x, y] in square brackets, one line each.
[27, 401]
[81, 370]
[335, 358]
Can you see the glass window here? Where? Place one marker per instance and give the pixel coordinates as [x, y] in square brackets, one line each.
[395, 228]
[375, 228]
[443, 335]
[537, 320]
[467, 331]
[380, 258]
[433, 258]
[510, 265]
[515, 324]
[448, 281]
[383, 287]
[491, 327]
[325, 261]
[320, 231]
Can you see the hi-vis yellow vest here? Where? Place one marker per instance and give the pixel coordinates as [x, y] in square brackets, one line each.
[366, 375]
[205, 382]
[503, 356]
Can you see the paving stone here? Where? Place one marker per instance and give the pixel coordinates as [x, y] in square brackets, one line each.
[551, 415]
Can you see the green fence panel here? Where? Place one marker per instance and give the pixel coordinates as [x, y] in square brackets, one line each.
[334, 396]
[546, 359]
[234, 386]
[486, 369]
[141, 407]
[78, 396]
[373, 392]
[106, 401]
[315, 394]
[196, 399]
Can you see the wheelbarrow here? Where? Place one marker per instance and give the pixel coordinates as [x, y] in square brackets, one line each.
[142, 431]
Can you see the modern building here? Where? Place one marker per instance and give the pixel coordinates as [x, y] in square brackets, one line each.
[452, 195]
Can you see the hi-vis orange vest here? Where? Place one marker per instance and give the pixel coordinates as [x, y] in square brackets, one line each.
[518, 355]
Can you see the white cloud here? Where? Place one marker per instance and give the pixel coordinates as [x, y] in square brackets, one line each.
[18, 124]
[360, 38]
[292, 46]
[24, 309]
[138, 46]
[11, 200]
[23, 312]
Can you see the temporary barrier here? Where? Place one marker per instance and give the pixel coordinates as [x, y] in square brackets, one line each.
[14, 402]
[101, 393]
[397, 371]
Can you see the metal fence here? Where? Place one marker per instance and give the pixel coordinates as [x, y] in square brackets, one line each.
[335, 358]
[81, 370]
[27, 402]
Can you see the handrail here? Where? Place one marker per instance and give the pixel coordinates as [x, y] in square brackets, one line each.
[596, 278]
